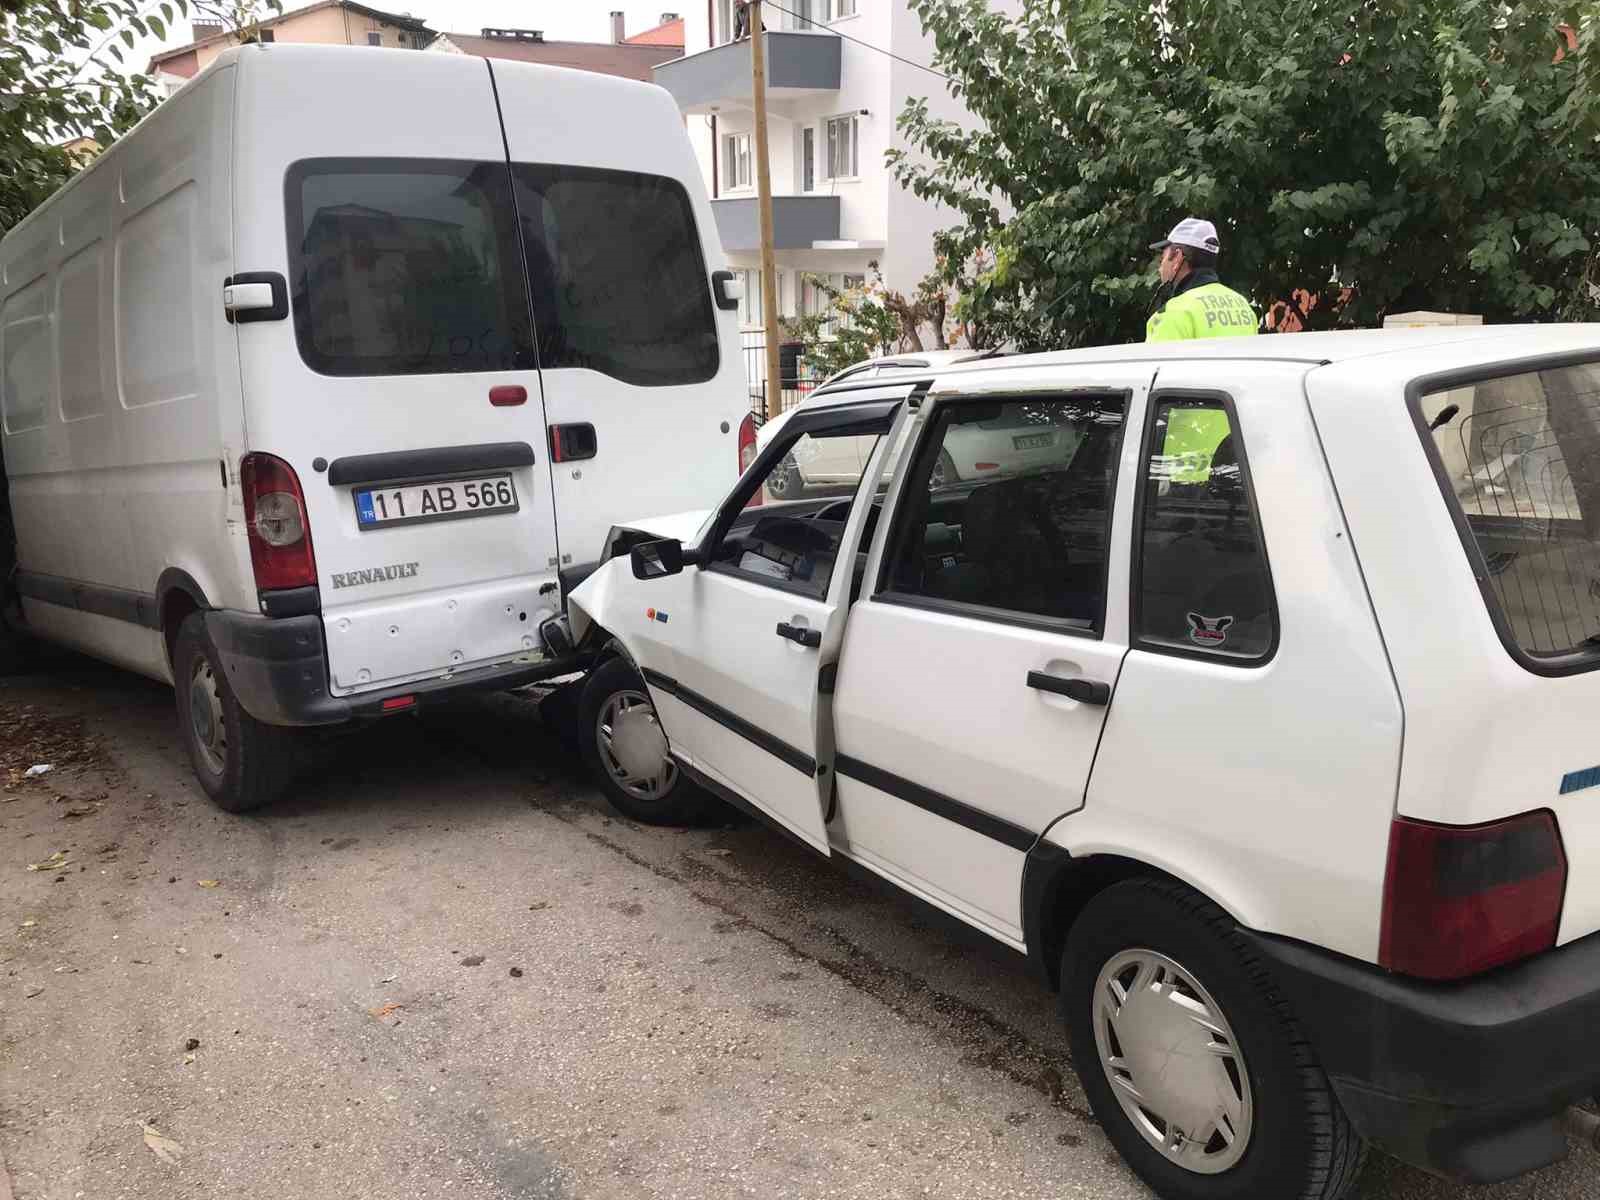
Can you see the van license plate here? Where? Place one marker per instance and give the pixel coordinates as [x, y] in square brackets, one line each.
[1033, 441]
[379, 508]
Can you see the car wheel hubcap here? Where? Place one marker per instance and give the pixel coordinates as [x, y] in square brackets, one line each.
[205, 717]
[633, 746]
[1173, 1062]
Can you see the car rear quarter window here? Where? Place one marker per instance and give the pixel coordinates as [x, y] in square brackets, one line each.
[406, 267]
[1518, 456]
[1202, 586]
[618, 281]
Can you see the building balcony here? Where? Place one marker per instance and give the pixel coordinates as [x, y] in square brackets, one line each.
[799, 64]
[798, 222]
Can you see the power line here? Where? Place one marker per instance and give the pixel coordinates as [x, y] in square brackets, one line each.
[879, 49]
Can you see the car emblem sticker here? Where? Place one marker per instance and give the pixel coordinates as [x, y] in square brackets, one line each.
[1209, 632]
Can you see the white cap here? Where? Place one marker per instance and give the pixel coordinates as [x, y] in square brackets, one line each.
[1192, 232]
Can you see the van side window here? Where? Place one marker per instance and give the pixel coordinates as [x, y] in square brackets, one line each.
[1007, 510]
[405, 267]
[25, 375]
[618, 281]
[1202, 585]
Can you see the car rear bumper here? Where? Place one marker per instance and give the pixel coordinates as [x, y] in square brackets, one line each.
[1463, 1079]
[278, 669]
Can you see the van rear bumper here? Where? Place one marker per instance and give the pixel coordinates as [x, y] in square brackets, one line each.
[278, 669]
[1467, 1079]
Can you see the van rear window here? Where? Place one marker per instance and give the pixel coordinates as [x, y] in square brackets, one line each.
[1520, 457]
[406, 267]
[618, 281]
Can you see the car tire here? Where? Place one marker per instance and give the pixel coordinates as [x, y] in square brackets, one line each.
[240, 762]
[1177, 957]
[623, 740]
[786, 483]
[944, 471]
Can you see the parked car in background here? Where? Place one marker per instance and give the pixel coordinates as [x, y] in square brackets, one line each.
[322, 387]
[1272, 754]
[839, 462]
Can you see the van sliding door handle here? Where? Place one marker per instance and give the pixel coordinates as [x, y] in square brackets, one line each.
[255, 296]
[1084, 691]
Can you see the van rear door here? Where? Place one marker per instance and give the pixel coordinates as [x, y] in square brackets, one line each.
[401, 389]
[644, 384]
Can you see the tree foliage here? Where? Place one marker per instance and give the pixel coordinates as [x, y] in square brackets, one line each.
[1369, 156]
[65, 74]
[869, 321]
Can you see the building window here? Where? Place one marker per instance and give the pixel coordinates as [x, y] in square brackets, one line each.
[723, 29]
[843, 160]
[750, 302]
[266, 36]
[808, 159]
[374, 38]
[841, 8]
[736, 163]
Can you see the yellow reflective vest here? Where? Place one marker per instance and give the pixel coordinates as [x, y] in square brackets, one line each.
[1206, 311]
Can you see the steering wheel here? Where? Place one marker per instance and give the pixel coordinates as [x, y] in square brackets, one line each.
[792, 533]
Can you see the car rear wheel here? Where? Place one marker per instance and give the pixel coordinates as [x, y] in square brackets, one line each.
[240, 762]
[628, 750]
[785, 482]
[1190, 1056]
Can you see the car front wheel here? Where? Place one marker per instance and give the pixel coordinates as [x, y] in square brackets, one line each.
[627, 748]
[1190, 1056]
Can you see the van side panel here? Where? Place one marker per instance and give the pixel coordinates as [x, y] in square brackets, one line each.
[120, 391]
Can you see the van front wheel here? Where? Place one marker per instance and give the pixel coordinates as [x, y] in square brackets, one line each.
[240, 762]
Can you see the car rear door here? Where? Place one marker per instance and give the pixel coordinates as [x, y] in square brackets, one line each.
[978, 667]
[401, 390]
[642, 371]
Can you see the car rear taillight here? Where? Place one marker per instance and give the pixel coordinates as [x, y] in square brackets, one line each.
[1458, 900]
[747, 442]
[275, 520]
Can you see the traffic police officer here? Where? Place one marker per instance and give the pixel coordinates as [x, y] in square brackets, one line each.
[1198, 305]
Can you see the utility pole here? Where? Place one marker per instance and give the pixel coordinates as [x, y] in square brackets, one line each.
[771, 395]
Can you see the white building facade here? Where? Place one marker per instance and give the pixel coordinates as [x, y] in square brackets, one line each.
[833, 96]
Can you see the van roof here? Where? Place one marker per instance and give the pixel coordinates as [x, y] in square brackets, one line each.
[1478, 343]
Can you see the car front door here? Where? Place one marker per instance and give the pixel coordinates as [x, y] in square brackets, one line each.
[978, 668]
[738, 654]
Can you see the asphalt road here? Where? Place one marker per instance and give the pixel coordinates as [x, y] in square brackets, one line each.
[442, 968]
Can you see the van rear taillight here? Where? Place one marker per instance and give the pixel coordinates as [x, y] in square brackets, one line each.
[747, 442]
[275, 520]
[1458, 900]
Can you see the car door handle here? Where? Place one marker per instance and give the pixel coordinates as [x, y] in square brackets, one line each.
[1084, 691]
[799, 633]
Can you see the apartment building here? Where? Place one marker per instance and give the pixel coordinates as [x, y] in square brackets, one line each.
[326, 23]
[833, 93]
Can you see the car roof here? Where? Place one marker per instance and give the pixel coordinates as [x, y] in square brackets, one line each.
[1479, 343]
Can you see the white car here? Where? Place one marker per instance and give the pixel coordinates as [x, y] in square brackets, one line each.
[1259, 716]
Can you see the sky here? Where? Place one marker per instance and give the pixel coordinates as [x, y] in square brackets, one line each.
[561, 20]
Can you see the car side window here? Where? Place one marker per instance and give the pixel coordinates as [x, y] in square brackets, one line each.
[790, 528]
[1007, 510]
[1202, 585]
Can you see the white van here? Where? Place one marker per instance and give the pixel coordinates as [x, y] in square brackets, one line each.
[321, 387]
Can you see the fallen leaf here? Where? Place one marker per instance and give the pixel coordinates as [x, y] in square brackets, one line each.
[32, 992]
[163, 1147]
[472, 960]
[70, 813]
[209, 883]
[55, 862]
[29, 924]
[143, 962]
[388, 979]
[385, 1010]
[720, 853]
[187, 1059]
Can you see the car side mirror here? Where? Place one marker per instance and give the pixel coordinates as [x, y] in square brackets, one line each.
[657, 560]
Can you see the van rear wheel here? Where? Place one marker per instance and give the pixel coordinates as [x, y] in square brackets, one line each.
[627, 748]
[240, 762]
[1191, 1059]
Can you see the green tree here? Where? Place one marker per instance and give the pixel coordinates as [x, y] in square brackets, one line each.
[1371, 155]
[855, 323]
[64, 75]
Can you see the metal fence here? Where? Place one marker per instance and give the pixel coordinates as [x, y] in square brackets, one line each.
[795, 379]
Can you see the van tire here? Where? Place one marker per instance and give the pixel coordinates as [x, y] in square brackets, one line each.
[1300, 1143]
[250, 764]
[617, 687]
